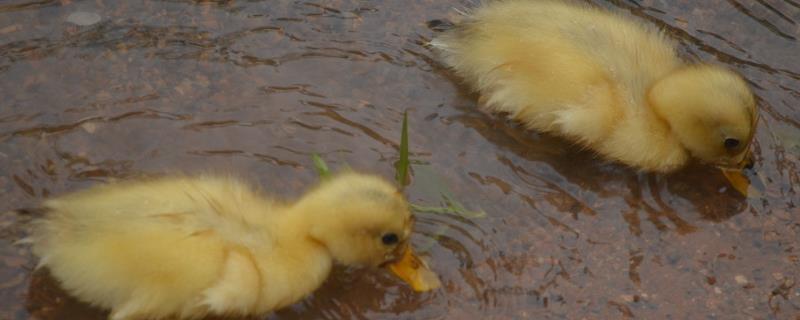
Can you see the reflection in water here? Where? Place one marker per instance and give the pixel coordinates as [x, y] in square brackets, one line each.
[253, 88]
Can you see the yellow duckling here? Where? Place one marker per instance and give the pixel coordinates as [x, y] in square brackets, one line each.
[188, 247]
[609, 83]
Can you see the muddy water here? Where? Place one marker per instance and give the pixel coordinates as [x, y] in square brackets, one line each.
[92, 91]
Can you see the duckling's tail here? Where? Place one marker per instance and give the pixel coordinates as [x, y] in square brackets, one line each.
[24, 217]
[440, 25]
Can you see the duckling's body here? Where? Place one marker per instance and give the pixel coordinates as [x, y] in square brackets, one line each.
[187, 247]
[606, 82]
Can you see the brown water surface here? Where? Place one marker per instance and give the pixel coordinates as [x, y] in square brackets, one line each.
[92, 91]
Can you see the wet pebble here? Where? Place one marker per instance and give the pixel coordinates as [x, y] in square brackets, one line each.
[84, 18]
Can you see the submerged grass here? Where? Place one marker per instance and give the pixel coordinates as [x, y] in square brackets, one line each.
[451, 207]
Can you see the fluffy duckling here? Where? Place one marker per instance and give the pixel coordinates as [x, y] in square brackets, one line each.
[188, 247]
[607, 82]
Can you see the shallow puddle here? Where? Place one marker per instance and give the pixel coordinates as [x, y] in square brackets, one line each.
[92, 91]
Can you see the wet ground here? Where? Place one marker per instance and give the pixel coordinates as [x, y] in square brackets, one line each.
[92, 91]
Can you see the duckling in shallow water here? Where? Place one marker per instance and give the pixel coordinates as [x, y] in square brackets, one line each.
[187, 247]
[609, 83]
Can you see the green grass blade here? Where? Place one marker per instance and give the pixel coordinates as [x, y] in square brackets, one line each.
[401, 167]
[321, 166]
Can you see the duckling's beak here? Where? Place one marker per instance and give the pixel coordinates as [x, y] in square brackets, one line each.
[734, 171]
[736, 176]
[414, 270]
[740, 182]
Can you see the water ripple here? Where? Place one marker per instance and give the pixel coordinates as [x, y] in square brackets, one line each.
[764, 21]
[258, 86]
[27, 5]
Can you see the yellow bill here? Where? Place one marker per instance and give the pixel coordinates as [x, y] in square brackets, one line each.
[415, 272]
[740, 182]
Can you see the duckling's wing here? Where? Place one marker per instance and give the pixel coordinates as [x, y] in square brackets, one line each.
[556, 66]
[221, 205]
[235, 212]
[147, 247]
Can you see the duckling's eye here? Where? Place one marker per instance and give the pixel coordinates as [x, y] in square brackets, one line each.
[390, 239]
[731, 143]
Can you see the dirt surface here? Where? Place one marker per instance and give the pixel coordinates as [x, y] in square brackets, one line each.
[92, 91]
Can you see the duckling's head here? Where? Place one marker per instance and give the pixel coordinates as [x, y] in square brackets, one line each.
[361, 219]
[710, 110]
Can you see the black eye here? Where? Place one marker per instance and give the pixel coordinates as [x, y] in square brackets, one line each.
[731, 143]
[390, 239]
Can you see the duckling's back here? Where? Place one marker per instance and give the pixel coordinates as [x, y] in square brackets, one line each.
[558, 66]
[151, 247]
